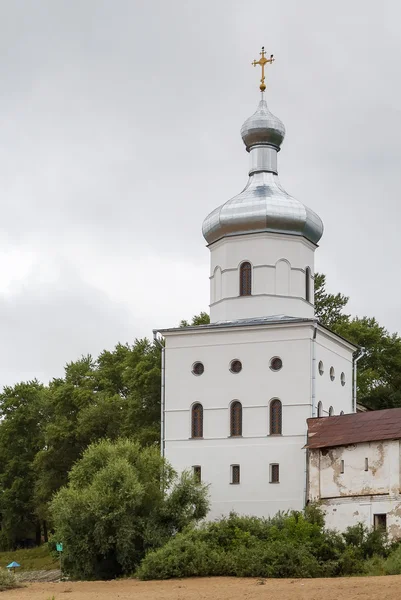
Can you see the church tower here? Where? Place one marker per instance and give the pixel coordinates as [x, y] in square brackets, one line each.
[262, 241]
[236, 394]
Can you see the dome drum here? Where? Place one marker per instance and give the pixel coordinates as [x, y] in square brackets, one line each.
[263, 205]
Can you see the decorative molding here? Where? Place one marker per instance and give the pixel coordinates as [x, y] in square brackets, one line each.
[260, 296]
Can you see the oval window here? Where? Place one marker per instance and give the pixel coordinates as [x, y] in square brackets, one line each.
[342, 378]
[235, 366]
[276, 363]
[321, 368]
[198, 368]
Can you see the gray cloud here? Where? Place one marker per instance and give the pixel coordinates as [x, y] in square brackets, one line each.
[119, 132]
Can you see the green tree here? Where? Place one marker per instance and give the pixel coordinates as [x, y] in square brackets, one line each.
[201, 319]
[379, 370]
[121, 500]
[329, 307]
[21, 437]
[114, 396]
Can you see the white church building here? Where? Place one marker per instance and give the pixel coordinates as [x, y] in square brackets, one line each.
[237, 394]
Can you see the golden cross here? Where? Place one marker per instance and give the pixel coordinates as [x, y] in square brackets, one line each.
[262, 62]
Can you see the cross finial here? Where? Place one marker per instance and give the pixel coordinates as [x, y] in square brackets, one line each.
[262, 62]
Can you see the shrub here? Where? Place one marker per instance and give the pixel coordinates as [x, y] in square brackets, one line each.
[292, 544]
[121, 500]
[7, 581]
[392, 565]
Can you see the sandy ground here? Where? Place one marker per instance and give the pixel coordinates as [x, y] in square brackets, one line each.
[355, 588]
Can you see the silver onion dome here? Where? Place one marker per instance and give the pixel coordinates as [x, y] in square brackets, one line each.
[262, 128]
[263, 205]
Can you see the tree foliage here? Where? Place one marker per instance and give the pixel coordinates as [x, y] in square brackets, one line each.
[379, 370]
[121, 500]
[45, 429]
[329, 307]
[202, 319]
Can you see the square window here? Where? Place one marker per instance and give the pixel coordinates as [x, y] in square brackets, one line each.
[275, 473]
[197, 473]
[235, 474]
[380, 521]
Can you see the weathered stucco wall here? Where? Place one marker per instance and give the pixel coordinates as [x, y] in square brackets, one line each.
[361, 490]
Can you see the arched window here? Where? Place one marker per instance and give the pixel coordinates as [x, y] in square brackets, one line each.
[236, 418]
[307, 284]
[197, 420]
[320, 409]
[245, 279]
[331, 411]
[275, 417]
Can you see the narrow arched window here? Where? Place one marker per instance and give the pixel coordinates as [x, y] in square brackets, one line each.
[320, 409]
[331, 411]
[245, 279]
[307, 284]
[197, 421]
[236, 418]
[275, 417]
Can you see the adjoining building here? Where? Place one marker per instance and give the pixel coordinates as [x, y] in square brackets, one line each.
[354, 469]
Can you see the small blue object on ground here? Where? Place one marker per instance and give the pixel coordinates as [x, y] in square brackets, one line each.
[13, 565]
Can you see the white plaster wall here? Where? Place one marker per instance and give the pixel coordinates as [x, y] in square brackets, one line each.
[357, 495]
[278, 276]
[254, 386]
[332, 393]
[343, 513]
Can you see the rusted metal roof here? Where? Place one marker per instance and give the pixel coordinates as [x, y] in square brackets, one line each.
[375, 425]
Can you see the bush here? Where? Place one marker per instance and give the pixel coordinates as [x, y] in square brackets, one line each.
[7, 581]
[287, 545]
[392, 565]
[293, 544]
[121, 501]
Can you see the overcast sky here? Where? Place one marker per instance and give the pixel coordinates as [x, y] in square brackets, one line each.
[119, 133]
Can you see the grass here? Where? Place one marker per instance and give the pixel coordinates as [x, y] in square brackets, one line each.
[34, 559]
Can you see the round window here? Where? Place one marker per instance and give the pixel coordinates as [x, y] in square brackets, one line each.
[342, 378]
[332, 374]
[198, 368]
[235, 366]
[276, 363]
[321, 368]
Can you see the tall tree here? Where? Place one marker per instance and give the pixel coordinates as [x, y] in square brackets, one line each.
[21, 438]
[121, 500]
[329, 307]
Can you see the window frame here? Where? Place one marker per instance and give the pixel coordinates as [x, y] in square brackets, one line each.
[232, 362]
[245, 278]
[235, 469]
[197, 421]
[235, 419]
[308, 275]
[274, 473]
[272, 368]
[197, 362]
[273, 430]
[376, 521]
[197, 473]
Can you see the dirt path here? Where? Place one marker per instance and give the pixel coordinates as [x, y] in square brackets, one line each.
[355, 588]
